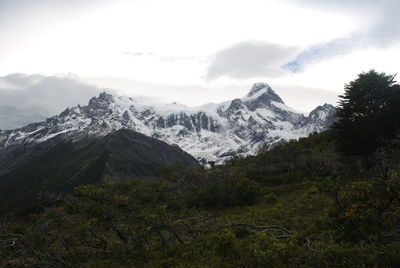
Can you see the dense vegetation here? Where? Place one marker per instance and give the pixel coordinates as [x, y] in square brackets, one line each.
[305, 203]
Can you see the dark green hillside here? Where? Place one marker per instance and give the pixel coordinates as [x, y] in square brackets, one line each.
[118, 156]
[310, 158]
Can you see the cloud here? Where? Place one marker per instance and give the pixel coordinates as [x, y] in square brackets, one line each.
[382, 30]
[30, 98]
[177, 58]
[323, 51]
[305, 99]
[250, 59]
[138, 54]
[162, 58]
[11, 117]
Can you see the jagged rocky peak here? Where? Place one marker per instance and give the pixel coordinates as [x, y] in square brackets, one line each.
[263, 90]
[257, 87]
[322, 117]
[100, 105]
[103, 98]
[328, 106]
[261, 95]
[323, 111]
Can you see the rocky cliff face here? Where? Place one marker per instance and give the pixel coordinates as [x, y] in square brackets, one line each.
[212, 132]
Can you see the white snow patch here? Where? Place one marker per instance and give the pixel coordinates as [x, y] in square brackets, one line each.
[282, 106]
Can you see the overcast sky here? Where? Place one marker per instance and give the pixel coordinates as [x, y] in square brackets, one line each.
[188, 51]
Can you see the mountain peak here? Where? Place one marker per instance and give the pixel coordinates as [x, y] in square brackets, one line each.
[102, 100]
[257, 87]
[104, 96]
[260, 95]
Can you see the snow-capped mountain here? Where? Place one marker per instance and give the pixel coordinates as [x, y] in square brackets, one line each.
[211, 132]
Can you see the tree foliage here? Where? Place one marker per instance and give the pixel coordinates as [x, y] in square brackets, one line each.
[368, 114]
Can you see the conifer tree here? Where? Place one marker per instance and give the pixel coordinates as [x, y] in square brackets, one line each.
[368, 114]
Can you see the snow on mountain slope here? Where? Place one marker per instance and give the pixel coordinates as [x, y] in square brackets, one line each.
[208, 132]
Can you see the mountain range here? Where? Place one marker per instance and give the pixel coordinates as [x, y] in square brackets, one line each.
[116, 138]
[211, 132]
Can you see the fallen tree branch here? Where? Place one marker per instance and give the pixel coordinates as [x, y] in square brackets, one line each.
[104, 242]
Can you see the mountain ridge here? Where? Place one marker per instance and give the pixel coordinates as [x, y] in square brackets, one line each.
[211, 132]
[61, 165]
